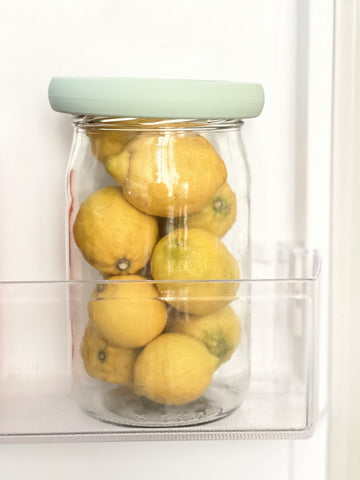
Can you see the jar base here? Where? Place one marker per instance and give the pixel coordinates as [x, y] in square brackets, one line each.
[120, 406]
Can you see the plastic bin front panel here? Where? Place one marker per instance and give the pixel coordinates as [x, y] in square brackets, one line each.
[36, 395]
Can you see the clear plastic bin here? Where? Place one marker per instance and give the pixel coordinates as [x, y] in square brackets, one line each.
[37, 401]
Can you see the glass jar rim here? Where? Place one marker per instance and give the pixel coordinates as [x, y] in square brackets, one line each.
[90, 122]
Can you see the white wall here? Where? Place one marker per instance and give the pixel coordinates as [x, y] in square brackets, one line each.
[230, 40]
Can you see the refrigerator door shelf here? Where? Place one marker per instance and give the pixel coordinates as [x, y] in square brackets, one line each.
[36, 392]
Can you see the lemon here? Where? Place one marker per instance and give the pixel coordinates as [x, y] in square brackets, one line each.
[113, 236]
[107, 143]
[105, 361]
[168, 175]
[218, 215]
[219, 331]
[195, 255]
[128, 313]
[174, 369]
[111, 140]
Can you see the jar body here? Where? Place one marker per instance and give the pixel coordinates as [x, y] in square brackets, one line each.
[158, 227]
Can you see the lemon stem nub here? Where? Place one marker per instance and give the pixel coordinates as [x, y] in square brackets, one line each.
[219, 204]
[102, 356]
[123, 264]
[100, 287]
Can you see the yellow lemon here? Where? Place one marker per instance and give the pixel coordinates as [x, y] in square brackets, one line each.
[174, 369]
[216, 217]
[128, 313]
[113, 236]
[105, 361]
[110, 140]
[107, 143]
[198, 256]
[219, 331]
[168, 175]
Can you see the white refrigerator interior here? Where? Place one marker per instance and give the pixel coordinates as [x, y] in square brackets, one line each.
[287, 46]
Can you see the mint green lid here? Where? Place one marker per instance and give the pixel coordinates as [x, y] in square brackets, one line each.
[159, 98]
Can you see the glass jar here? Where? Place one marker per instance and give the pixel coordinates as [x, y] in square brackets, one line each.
[158, 228]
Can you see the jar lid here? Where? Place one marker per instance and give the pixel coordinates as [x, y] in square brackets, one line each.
[159, 98]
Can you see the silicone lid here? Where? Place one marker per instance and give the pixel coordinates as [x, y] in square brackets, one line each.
[159, 98]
